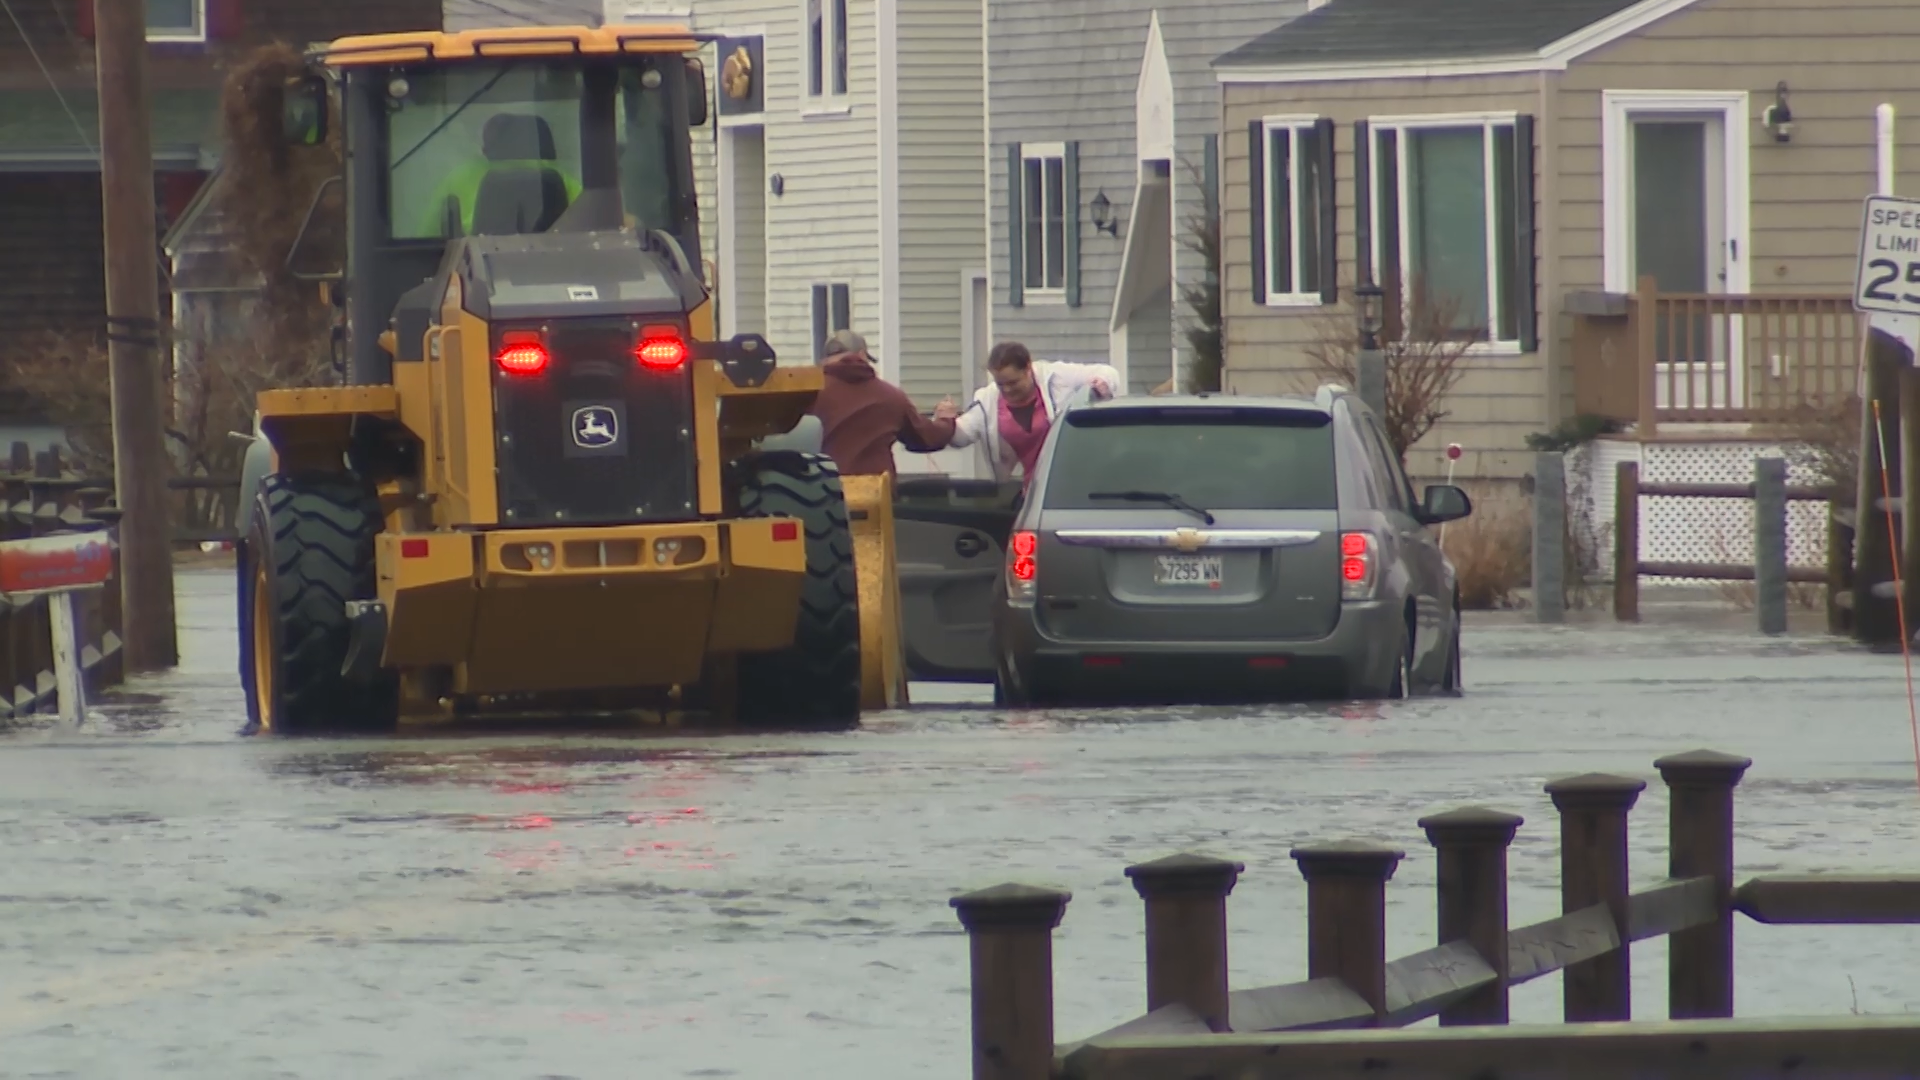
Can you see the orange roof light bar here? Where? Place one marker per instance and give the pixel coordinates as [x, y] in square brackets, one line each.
[511, 41]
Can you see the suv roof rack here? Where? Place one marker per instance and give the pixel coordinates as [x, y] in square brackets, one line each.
[1324, 396]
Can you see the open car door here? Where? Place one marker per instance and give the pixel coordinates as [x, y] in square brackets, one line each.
[950, 541]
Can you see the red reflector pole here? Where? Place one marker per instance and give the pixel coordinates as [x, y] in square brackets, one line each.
[784, 531]
[413, 549]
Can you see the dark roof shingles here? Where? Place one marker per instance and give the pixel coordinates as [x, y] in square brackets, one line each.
[1420, 30]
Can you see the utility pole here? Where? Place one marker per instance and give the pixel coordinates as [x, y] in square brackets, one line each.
[133, 335]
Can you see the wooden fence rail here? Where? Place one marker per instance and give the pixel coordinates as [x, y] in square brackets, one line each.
[1770, 493]
[1196, 1027]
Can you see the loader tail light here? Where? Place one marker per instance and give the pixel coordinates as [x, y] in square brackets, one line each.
[1358, 565]
[1022, 567]
[661, 348]
[521, 353]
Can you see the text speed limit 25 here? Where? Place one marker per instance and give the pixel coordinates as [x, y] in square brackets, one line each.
[1888, 277]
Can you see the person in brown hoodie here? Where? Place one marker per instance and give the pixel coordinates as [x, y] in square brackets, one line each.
[862, 415]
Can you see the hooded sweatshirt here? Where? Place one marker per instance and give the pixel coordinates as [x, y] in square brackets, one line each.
[862, 416]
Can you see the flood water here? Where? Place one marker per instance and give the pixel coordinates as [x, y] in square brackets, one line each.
[175, 899]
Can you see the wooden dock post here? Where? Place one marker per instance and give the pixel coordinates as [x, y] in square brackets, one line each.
[1186, 900]
[1010, 941]
[1700, 843]
[1549, 537]
[1593, 870]
[1347, 915]
[1471, 848]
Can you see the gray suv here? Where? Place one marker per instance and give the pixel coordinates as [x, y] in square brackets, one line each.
[1193, 548]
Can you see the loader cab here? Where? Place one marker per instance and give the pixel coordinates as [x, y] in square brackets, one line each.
[499, 141]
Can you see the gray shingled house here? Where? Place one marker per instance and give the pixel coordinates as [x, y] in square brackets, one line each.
[1535, 161]
[1102, 120]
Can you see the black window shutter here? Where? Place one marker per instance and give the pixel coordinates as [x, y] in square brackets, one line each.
[1257, 205]
[1362, 202]
[1016, 230]
[1523, 256]
[842, 307]
[1329, 253]
[1070, 195]
[820, 330]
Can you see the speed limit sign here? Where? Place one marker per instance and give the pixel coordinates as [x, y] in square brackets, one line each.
[1888, 278]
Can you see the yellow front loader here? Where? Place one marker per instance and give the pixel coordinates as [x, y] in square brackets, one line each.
[539, 489]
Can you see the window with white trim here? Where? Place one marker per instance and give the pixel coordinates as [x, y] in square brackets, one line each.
[176, 20]
[826, 48]
[1293, 194]
[1043, 213]
[1447, 206]
[832, 311]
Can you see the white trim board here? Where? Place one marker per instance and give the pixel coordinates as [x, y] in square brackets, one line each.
[1616, 110]
[1554, 57]
[886, 61]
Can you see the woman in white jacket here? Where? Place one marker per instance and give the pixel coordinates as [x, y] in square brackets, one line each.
[1010, 416]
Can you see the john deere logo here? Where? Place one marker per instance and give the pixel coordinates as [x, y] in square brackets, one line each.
[1189, 539]
[595, 427]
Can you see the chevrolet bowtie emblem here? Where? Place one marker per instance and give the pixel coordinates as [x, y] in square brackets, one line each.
[1189, 539]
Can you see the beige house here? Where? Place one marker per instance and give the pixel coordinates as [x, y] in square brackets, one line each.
[1532, 163]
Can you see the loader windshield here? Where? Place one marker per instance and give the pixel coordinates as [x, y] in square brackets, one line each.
[506, 146]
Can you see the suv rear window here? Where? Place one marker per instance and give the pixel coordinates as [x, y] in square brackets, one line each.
[1216, 458]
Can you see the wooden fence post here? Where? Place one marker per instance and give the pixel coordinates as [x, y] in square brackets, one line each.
[1549, 537]
[1186, 900]
[1010, 941]
[1700, 840]
[1593, 870]
[1347, 915]
[1626, 541]
[1471, 849]
[1839, 565]
[1770, 543]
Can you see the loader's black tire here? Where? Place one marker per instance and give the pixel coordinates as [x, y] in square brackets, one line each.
[815, 683]
[309, 551]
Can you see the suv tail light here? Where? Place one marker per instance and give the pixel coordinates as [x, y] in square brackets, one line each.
[522, 352]
[1359, 565]
[660, 348]
[1022, 567]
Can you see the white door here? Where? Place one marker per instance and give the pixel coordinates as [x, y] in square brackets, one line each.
[1677, 211]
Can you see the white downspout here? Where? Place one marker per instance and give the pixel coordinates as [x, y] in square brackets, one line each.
[1904, 327]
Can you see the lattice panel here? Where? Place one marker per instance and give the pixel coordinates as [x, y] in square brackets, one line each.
[1719, 530]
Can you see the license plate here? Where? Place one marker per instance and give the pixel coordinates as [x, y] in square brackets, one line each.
[1203, 571]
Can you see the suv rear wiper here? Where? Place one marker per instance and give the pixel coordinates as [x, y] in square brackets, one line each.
[1166, 497]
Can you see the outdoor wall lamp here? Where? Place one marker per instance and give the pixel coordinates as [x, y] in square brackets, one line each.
[1367, 300]
[1778, 117]
[1103, 219]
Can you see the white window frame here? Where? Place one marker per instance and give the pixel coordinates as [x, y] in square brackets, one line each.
[834, 35]
[194, 34]
[1487, 122]
[1292, 126]
[1043, 153]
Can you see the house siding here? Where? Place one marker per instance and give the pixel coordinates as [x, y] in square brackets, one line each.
[942, 191]
[1068, 71]
[825, 227]
[1499, 400]
[1840, 59]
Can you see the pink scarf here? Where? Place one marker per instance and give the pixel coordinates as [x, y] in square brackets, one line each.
[1025, 442]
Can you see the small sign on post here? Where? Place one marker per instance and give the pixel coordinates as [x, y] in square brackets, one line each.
[1888, 277]
[57, 567]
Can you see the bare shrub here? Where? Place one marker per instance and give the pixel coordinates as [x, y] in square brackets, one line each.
[1422, 351]
[1203, 328]
[266, 188]
[1492, 549]
[64, 379]
[1823, 438]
